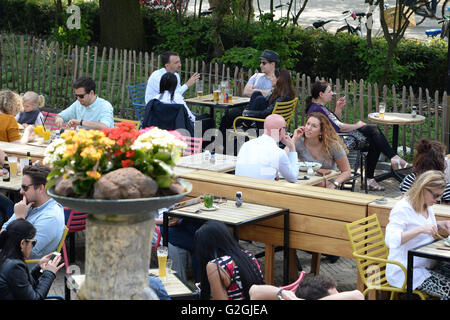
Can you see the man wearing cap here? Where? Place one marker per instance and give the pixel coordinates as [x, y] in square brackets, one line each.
[263, 81]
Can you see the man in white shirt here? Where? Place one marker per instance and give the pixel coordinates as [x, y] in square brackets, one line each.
[263, 158]
[172, 63]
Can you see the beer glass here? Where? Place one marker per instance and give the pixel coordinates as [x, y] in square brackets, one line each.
[199, 87]
[381, 110]
[13, 165]
[162, 253]
[216, 93]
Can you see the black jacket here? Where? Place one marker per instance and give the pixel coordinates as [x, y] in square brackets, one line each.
[167, 116]
[17, 283]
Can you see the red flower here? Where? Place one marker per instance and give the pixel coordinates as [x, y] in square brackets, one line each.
[129, 154]
[127, 163]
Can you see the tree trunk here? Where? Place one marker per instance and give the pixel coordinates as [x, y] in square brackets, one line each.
[222, 8]
[121, 24]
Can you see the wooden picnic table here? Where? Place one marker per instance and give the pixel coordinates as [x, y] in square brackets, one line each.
[223, 162]
[237, 217]
[14, 184]
[20, 150]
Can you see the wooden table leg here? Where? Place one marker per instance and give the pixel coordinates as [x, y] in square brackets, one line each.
[269, 264]
[315, 263]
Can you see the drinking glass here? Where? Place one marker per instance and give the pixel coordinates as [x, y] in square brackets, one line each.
[208, 200]
[381, 109]
[162, 253]
[169, 266]
[216, 93]
[13, 165]
[199, 87]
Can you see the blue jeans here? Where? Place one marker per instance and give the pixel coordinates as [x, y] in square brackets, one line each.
[156, 284]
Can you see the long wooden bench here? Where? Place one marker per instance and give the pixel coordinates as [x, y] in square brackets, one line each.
[317, 215]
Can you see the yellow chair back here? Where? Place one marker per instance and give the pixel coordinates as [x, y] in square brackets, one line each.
[285, 109]
[371, 253]
[58, 249]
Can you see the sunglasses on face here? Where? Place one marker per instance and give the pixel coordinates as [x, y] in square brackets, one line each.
[25, 187]
[263, 62]
[435, 195]
[33, 241]
[81, 96]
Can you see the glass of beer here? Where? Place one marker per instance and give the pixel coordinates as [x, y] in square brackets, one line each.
[230, 95]
[216, 93]
[162, 253]
[13, 165]
[199, 87]
[381, 110]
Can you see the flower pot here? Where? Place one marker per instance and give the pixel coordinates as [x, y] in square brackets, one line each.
[118, 244]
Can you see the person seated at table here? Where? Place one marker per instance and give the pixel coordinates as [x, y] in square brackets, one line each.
[89, 111]
[261, 106]
[430, 156]
[321, 94]
[31, 115]
[412, 224]
[226, 270]
[320, 287]
[37, 207]
[263, 158]
[10, 105]
[318, 142]
[16, 281]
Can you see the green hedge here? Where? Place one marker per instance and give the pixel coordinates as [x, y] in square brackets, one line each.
[312, 52]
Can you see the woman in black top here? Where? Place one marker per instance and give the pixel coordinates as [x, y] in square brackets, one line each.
[16, 281]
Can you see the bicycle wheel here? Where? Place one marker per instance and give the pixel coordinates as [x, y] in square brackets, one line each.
[344, 29]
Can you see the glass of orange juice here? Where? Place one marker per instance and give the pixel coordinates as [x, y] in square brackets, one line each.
[46, 135]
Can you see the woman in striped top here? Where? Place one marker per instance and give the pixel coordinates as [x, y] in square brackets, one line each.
[430, 156]
[226, 270]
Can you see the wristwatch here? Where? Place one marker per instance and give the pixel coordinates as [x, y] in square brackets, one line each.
[279, 297]
[337, 184]
[81, 122]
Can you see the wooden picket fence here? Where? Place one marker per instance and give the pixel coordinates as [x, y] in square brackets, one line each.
[49, 68]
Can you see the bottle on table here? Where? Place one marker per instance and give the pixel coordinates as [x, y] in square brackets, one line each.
[30, 163]
[414, 111]
[6, 173]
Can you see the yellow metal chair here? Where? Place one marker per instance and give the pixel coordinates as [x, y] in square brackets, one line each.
[58, 249]
[370, 252]
[117, 120]
[285, 109]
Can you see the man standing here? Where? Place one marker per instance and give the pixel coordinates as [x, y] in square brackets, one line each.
[172, 63]
[46, 215]
[263, 81]
[262, 158]
[89, 111]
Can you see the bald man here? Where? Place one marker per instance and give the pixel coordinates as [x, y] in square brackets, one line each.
[263, 158]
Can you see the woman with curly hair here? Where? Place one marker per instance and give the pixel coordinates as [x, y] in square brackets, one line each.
[321, 94]
[430, 156]
[10, 105]
[318, 142]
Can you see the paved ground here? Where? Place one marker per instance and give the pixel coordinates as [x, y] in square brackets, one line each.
[343, 271]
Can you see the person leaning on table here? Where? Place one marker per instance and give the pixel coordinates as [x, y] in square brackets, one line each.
[412, 224]
[16, 281]
[263, 158]
[89, 111]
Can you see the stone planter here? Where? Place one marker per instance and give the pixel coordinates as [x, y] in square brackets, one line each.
[118, 244]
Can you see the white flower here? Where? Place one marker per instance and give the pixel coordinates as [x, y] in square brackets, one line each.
[54, 151]
[157, 137]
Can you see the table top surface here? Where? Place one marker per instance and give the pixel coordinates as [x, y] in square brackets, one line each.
[208, 100]
[22, 149]
[14, 184]
[228, 213]
[438, 209]
[315, 178]
[437, 248]
[396, 118]
[174, 286]
[223, 162]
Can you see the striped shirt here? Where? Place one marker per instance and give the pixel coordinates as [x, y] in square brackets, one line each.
[235, 290]
[410, 178]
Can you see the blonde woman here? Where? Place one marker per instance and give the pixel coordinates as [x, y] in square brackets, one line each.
[10, 105]
[412, 224]
[317, 141]
[31, 114]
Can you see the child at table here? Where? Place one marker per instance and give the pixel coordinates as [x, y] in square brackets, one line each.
[31, 114]
[10, 105]
[412, 224]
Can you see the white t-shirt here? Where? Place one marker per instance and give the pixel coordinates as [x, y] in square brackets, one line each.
[403, 218]
[154, 81]
[262, 158]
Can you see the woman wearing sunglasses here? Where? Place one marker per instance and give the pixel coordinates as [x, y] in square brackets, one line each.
[16, 281]
[412, 224]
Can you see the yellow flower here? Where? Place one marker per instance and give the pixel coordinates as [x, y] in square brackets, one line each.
[93, 174]
[71, 149]
[91, 153]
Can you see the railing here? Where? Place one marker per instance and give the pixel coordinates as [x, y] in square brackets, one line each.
[49, 68]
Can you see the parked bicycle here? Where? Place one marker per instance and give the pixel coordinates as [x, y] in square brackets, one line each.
[428, 9]
[356, 30]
